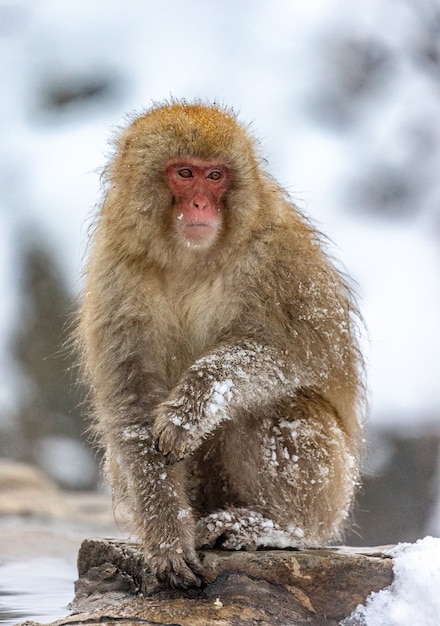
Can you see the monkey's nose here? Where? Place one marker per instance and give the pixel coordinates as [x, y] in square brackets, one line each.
[200, 201]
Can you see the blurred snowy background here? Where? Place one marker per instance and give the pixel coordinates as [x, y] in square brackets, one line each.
[345, 98]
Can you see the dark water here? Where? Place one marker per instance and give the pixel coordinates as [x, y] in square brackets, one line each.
[38, 589]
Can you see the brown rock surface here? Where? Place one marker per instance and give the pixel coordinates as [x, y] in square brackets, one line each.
[269, 587]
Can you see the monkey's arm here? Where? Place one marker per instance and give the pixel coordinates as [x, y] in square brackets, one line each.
[232, 376]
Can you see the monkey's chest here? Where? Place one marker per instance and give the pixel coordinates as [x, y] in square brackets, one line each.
[200, 321]
[194, 319]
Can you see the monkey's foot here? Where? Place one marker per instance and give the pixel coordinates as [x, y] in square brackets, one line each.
[239, 528]
[178, 570]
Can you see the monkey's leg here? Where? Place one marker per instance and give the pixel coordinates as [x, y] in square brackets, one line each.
[156, 494]
[301, 485]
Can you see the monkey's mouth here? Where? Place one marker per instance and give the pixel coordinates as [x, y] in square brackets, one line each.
[199, 232]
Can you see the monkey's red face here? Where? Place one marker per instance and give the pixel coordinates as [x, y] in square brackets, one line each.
[197, 187]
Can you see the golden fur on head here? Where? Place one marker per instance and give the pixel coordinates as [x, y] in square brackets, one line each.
[241, 358]
[198, 131]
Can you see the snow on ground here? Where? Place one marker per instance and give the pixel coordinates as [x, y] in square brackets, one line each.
[413, 599]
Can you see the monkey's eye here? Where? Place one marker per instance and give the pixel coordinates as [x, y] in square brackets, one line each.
[215, 175]
[185, 172]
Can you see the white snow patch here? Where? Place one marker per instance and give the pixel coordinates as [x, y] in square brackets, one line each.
[221, 394]
[267, 523]
[413, 599]
[182, 513]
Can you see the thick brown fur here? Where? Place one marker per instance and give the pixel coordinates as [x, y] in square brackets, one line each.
[226, 382]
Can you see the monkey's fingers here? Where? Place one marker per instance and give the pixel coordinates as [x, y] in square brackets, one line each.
[170, 440]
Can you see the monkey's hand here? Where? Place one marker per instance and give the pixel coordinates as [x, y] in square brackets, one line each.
[191, 413]
[177, 426]
[172, 437]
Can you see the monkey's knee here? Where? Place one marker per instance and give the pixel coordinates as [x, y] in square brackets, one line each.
[307, 461]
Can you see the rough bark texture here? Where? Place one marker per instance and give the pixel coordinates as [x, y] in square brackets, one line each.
[270, 587]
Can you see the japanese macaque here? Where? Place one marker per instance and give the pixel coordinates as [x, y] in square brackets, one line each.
[220, 344]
